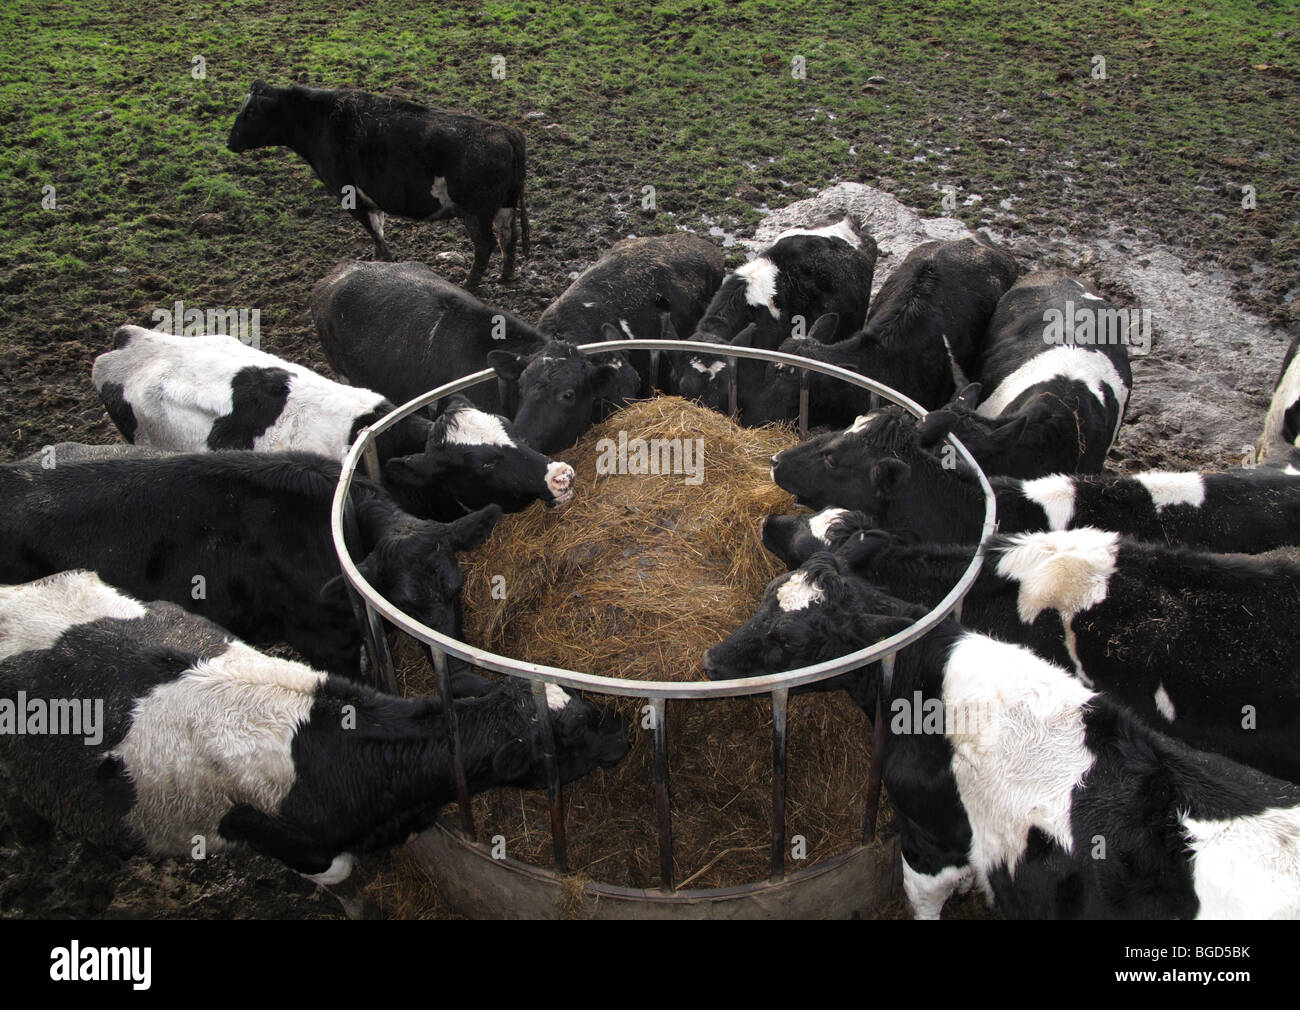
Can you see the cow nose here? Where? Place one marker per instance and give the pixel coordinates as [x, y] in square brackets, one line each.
[559, 478]
[707, 661]
[122, 337]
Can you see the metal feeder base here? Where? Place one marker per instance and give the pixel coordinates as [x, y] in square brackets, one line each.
[855, 884]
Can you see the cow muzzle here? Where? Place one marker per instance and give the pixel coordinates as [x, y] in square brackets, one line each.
[559, 478]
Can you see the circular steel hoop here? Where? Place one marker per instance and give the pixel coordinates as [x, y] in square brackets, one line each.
[657, 688]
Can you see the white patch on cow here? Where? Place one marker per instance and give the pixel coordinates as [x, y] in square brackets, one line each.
[927, 892]
[340, 869]
[710, 370]
[798, 593]
[1072, 650]
[1055, 496]
[559, 478]
[218, 735]
[759, 276]
[557, 697]
[1286, 394]
[34, 615]
[476, 427]
[1291, 471]
[860, 424]
[1247, 867]
[842, 230]
[622, 323]
[1092, 368]
[820, 524]
[1164, 704]
[1172, 488]
[1020, 753]
[1064, 570]
[588, 305]
[439, 192]
[178, 387]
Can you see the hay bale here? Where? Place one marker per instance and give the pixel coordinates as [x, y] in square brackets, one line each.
[635, 579]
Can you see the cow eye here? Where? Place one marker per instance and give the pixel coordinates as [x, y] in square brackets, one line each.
[829, 460]
[567, 396]
[488, 465]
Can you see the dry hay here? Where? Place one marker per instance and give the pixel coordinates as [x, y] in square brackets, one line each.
[635, 579]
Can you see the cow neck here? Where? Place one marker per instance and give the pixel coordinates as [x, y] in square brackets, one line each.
[952, 505]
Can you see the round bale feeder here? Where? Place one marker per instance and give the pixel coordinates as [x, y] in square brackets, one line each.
[477, 881]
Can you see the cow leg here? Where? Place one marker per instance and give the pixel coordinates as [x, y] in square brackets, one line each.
[480, 233]
[507, 233]
[372, 220]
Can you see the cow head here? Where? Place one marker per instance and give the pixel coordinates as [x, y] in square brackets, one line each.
[477, 459]
[257, 123]
[707, 379]
[778, 399]
[587, 736]
[796, 538]
[816, 613]
[558, 389]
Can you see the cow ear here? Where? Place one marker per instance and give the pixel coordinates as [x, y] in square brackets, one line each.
[416, 470]
[862, 547]
[745, 338]
[823, 331]
[1003, 437]
[457, 401]
[932, 428]
[604, 380]
[507, 365]
[608, 331]
[889, 475]
[969, 397]
[260, 87]
[470, 531]
[512, 760]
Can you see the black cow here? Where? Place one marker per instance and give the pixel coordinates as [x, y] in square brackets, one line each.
[627, 292]
[922, 338]
[1279, 445]
[383, 155]
[191, 733]
[241, 538]
[402, 330]
[1004, 768]
[1057, 389]
[805, 272]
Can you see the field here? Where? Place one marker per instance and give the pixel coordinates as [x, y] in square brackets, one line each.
[1058, 126]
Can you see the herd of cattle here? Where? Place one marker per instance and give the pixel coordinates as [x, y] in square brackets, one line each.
[1116, 723]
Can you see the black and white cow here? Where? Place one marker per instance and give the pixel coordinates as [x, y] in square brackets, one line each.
[628, 291]
[895, 469]
[380, 155]
[190, 394]
[183, 733]
[241, 538]
[922, 337]
[805, 272]
[1056, 378]
[1279, 445]
[1004, 768]
[402, 330]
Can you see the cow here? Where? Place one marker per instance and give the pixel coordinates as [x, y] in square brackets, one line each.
[1056, 389]
[1279, 444]
[400, 329]
[174, 730]
[241, 538]
[628, 292]
[1005, 770]
[383, 155]
[190, 394]
[922, 337]
[806, 273]
[893, 468]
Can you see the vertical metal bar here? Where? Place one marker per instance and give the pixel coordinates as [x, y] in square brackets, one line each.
[553, 788]
[370, 456]
[956, 611]
[653, 377]
[377, 644]
[803, 403]
[663, 815]
[453, 727]
[780, 700]
[733, 404]
[876, 771]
